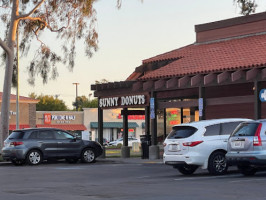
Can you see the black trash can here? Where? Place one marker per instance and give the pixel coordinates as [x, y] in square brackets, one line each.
[145, 143]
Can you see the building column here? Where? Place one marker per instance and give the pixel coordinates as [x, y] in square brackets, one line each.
[164, 123]
[100, 130]
[147, 121]
[154, 148]
[257, 102]
[125, 151]
[202, 95]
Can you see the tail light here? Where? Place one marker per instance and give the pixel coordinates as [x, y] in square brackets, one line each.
[257, 139]
[16, 143]
[164, 144]
[192, 144]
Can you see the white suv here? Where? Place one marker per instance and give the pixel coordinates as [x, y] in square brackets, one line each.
[200, 144]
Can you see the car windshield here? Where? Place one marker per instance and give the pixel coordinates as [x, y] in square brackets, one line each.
[246, 129]
[181, 132]
[16, 135]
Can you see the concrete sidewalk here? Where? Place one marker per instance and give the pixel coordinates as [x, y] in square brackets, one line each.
[135, 160]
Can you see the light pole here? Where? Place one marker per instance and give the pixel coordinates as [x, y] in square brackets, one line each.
[76, 95]
[17, 91]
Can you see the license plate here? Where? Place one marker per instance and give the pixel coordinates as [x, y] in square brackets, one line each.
[238, 144]
[174, 147]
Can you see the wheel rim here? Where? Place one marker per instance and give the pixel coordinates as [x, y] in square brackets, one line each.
[34, 157]
[88, 155]
[219, 163]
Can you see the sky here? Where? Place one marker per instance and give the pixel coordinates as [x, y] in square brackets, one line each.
[137, 31]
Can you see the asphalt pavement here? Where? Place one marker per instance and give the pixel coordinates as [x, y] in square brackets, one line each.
[124, 179]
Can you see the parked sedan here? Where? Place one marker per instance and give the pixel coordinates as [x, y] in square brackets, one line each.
[131, 140]
[34, 145]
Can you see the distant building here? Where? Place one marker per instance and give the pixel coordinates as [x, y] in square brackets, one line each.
[71, 121]
[27, 112]
[113, 124]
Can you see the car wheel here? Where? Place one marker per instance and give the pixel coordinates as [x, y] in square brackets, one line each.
[88, 156]
[72, 160]
[187, 169]
[247, 170]
[217, 164]
[34, 157]
[18, 162]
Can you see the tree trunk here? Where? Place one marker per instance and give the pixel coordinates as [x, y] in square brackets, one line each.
[4, 129]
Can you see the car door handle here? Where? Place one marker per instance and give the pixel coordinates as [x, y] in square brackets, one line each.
[225, 140]
[40, 142]
[59, 142]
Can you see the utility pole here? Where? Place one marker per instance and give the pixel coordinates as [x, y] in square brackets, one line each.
[76, 95]
[17, 92]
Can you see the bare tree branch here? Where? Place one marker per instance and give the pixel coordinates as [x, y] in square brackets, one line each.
[32, 11]
[4, 46]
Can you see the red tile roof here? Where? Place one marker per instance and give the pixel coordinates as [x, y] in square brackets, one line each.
[67, 127]
[233, 54]
[21, 98]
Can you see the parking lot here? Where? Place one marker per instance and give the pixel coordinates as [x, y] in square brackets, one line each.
[130, 179]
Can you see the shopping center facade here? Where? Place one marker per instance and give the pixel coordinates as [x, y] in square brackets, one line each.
[221, 75]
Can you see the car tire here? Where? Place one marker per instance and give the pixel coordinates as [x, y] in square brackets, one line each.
[34, 157]
[217, 164]
[88, 155]
[18, 162]
[247, 170]
[187, 169]
[72, 160]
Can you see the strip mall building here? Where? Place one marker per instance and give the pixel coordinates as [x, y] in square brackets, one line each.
[222, 74]
[27, 110]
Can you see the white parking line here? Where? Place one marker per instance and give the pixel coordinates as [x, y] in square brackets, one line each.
[247, 180]
[209, 177]
[141, 177]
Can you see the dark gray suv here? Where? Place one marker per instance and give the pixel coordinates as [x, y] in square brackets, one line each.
[32, 146]
[247, 147]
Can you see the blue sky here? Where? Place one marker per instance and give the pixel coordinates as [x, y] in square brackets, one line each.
[127, 36]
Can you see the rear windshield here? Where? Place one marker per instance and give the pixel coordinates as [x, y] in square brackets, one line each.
[182, 132]
[246, 129]
[16, 135]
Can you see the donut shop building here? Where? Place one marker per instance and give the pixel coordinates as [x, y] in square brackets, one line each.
[221, 75]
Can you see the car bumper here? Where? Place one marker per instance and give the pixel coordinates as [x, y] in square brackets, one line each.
[234, 158]
[190, 159]
[13, 154]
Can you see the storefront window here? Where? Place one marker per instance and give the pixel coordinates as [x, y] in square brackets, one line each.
[131, 133]
[173, 117]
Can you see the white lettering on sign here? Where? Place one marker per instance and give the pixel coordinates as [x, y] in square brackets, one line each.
[63, 117]
[122, 101]
[109, 102]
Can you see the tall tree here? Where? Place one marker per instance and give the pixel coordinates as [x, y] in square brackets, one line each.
[72, 20]
[49, 103]
[84, 102]
[246, 6]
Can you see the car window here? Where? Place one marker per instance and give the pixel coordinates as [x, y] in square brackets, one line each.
[61, 135]
[212, 130]
[228, 128]
[246, 129]
[16, 135]
[47, 134]
[181, 132]
[33, 135]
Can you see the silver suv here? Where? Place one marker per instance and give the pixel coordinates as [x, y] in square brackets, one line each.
[247, 147]
[37, 144]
